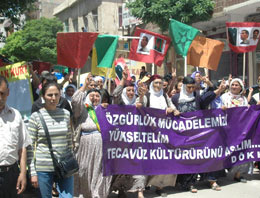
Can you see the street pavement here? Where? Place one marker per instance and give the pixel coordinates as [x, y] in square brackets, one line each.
[229, 189]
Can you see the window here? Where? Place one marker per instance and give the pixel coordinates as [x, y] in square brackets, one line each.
[66, 26]
[120, 16]
[75, 25]
[95, 18]
[85, 20]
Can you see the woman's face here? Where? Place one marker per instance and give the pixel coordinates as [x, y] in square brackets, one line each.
[70, 91]
[173, 92]
[197, 78]
[157, 85]
[130, 92]
[100, 84]
[51, 97]
[190, 88]
[165, 84]
[235, 88]
[179, 87]
[92, 85]
[94, 98]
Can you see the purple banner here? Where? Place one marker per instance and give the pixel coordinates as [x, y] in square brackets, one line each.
[147, 142]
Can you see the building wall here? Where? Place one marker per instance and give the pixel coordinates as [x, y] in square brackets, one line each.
[101, 16]
[96, 16]
[221, 4]
[46, 7]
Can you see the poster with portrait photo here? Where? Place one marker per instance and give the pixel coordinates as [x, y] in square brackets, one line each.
[146, 43]
[159, 45]
[254, 36]
[244, 36]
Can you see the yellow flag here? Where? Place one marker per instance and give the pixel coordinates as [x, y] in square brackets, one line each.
[99, 71]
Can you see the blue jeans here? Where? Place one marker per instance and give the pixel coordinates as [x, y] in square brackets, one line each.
[64, 186]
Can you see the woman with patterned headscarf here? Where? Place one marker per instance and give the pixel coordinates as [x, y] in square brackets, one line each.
[235, 98]
[157, 99]
[124, 94]
[90, 181]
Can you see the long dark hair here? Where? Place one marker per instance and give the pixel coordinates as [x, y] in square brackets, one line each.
[47, 85]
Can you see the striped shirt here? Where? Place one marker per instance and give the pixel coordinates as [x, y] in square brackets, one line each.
[58, 123]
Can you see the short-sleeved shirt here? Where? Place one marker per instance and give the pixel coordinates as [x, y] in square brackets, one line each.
[13, 136]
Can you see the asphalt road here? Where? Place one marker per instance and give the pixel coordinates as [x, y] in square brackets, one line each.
[229, 189]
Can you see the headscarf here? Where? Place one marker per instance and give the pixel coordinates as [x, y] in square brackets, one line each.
[88, 101]
[65, 94]
[97, 78]
[232, 100]
[193, 76]
[240, 82]
[126, 99]
[184, 95]
[157, 99]
[153, 92]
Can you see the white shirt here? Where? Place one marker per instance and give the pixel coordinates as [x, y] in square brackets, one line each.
[13, 136]
[256, 97]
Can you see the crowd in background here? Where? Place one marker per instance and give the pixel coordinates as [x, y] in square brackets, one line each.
[68, 112]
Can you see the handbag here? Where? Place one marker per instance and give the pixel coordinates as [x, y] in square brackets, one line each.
[66, 165]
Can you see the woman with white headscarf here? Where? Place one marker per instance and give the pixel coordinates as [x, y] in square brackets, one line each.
[124, 94]
[157, 99]
[90, 181]
[235, 98]
[190, 100]
[69, 91]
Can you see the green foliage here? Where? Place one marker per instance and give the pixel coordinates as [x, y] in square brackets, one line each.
[13, 9]
[160, 11]
[36, 41]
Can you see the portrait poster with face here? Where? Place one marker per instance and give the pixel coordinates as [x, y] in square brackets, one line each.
[145, 43]
[20, 89]
[243, 36]
[151, 47]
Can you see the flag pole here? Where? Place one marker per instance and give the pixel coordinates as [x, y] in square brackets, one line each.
[153, 68]
[244, 66]
[105, 83]
[185, 65]
[109, 86]
[78, 83]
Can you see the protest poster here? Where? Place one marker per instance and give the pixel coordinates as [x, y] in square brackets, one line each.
[150, 48]
[20, 94]
[243, 36]
[146, 141]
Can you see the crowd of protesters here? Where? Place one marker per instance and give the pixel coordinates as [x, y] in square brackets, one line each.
[68, 113]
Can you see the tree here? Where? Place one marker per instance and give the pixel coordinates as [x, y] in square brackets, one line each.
[160, 11]
[36, 41]
[13, 9]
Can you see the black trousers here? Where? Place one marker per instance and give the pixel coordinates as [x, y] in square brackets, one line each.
[8, 182]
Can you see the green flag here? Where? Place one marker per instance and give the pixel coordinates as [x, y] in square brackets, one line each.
[182, 36]
[106, 48]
